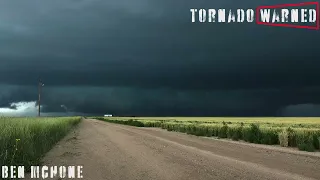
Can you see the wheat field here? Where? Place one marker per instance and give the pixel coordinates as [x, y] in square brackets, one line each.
[300, 132]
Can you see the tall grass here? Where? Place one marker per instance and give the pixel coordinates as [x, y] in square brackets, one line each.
[284, 138]
[23, 141]
[303, 136]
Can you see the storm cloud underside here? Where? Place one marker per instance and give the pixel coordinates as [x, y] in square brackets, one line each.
[147, 58]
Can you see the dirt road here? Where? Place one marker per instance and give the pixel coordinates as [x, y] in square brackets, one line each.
[118, 152]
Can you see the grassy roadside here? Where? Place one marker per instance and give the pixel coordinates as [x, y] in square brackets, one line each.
[305, 137]
[24, 141]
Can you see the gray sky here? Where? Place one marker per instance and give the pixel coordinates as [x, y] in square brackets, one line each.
[145, 57]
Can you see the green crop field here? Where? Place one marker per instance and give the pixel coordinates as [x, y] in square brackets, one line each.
[300, 132]
[23, 141]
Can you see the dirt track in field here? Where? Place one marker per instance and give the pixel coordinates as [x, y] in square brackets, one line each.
[118, 152]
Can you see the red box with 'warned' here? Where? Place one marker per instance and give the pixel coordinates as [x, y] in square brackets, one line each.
[317, 24]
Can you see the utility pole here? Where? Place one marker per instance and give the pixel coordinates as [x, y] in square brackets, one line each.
[40, 85]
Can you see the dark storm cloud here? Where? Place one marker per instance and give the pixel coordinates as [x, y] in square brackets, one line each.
[170, 102]
[9, 94]
[133, 101]
[146, 57]
[301, 110]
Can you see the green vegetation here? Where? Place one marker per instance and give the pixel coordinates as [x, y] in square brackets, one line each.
[303, 133]
[23, 141]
